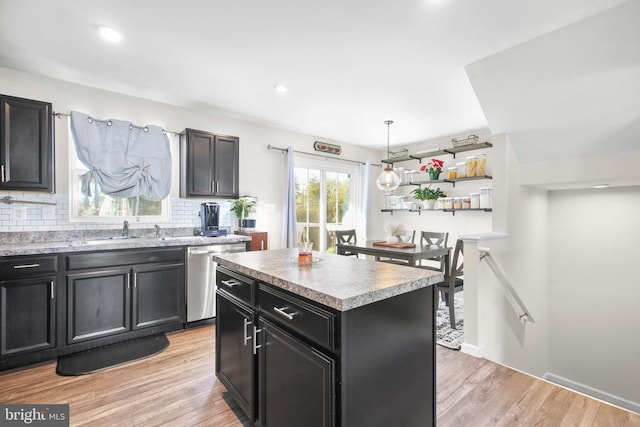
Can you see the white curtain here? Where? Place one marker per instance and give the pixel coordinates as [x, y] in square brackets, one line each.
[289, 221]
[364, 202]
[125, 160]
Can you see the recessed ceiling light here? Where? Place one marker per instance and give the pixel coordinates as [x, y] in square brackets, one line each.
[280, 88]
[601, 186]
[109, 34]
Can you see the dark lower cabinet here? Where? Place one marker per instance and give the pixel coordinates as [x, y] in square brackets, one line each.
[296, 381]
[98, 304]
[235, 358]
[158, 295]
[104, 297]
[289, 361]
[27, 315]
[118, 295]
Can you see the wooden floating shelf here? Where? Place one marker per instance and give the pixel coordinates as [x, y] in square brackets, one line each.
[439, 152]
[453, 211]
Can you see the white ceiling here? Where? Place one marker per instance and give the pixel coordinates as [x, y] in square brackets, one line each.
[349, 64]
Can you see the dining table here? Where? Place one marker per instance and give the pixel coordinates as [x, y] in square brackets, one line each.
[412, 255]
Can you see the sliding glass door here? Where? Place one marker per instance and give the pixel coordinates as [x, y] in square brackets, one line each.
[325, 201]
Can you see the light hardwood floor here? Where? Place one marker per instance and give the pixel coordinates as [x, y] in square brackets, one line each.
[178, 388]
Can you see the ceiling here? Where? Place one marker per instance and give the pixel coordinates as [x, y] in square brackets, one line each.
[349, 65]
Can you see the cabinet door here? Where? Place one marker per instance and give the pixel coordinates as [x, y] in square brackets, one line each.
[158, 295]
[26, 145]
[235, 359]
[199, 163]
[296, 382]
[98, 304]
[226, 166]
[27, 315]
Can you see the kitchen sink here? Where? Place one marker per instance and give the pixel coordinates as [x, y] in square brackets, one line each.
[178, 237]
[105, 240]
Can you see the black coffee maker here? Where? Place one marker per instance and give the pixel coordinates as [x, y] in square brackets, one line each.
[209, 218]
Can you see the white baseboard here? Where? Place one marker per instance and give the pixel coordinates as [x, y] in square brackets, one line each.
[472, 350]
[590, 391]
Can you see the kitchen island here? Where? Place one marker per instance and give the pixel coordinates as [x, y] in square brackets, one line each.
[344, 342]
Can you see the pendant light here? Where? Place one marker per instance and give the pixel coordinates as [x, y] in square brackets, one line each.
[388, 180]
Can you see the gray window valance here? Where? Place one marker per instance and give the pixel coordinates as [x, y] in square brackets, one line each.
[124, 159]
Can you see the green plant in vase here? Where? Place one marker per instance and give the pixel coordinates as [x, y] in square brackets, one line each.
[428, 196]
[242, 207]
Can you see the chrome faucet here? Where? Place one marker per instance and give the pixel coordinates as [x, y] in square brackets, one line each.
[125, 228]
[157, 227]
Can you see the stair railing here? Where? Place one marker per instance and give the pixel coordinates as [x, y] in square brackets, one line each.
[514, 298]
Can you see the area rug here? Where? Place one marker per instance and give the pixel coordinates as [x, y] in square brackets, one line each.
[86, 362]
[445, 336]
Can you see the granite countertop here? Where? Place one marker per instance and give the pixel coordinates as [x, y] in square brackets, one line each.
[337, 281]
[87, 244]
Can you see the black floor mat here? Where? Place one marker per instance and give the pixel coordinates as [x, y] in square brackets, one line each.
[100, 358]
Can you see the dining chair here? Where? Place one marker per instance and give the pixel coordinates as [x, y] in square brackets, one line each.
[346, 236]
[433, 238]
[453, 282]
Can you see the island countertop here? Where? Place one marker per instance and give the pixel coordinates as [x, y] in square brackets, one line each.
[336, 281]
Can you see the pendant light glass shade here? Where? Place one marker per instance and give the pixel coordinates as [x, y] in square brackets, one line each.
[388, 180]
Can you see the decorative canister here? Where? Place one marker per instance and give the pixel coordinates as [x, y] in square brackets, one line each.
[481, 167]
[485, 198]
[448, 203]
[461, 169]
[475, 201]
[472, 163]
[466, 203]
[390, 201]
[457, 203]
[452, 172]
[440, 203]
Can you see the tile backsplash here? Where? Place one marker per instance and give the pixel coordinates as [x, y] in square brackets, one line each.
[20, 217]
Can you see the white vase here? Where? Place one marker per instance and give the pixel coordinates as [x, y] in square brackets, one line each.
[428, 204]
[392, 239]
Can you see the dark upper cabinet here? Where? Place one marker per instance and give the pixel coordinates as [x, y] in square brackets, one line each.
[208, 164]
[26, 145]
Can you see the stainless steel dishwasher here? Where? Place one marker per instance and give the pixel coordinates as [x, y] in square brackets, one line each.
[201, 279]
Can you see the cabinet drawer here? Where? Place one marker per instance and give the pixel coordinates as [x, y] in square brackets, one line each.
[121, 257]
[312, 322]
[11, 268]
[235, 284]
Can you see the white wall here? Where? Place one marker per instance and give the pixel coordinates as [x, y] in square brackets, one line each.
[594, 289]
[567, 254]
[461, 223]
[522, 213]
[261, 170]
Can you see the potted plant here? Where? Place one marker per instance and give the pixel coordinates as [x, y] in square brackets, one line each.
[428, 196]
[433, 168]
[242, 207]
